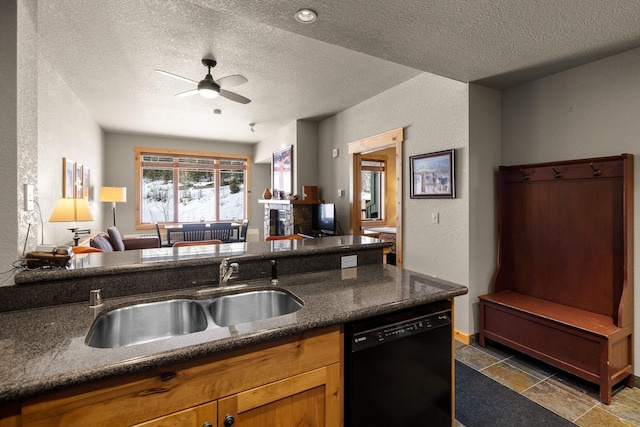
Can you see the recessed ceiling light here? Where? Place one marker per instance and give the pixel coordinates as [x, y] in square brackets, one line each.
[306, 16]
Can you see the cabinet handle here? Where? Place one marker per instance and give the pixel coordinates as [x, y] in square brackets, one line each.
[229, 420]
[207, 424]
[167, 376]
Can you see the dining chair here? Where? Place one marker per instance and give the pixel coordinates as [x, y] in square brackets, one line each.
[242, 232]
[289, 237]
[163, 243]
[197, 242]
[221, 231]
[193, 232]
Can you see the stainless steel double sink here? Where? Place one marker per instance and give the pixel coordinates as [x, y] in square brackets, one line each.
[143, 323]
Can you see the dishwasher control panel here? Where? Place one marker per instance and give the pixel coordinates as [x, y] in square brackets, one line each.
[387, 333]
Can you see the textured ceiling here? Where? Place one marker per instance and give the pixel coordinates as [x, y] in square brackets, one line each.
[106, 52]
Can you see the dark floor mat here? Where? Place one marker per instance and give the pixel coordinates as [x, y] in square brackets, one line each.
[483, 402]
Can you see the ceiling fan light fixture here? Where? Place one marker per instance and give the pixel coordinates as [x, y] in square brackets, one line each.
[306, 16]
[207, 88]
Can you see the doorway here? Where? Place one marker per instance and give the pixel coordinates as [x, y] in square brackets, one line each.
[387, 146]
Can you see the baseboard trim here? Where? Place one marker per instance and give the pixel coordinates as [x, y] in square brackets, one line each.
[464, 338]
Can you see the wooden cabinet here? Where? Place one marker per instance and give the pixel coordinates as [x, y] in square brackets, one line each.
[310, 399]
[296, 378]
[201, 415]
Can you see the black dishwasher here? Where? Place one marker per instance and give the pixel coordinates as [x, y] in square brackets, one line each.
[398, 368]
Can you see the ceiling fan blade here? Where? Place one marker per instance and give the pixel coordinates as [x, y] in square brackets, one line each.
[231, 81]
[188, 92]
[166, 73]
[234, 97]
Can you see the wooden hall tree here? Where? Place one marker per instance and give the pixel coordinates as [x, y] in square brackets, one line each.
[563, 287]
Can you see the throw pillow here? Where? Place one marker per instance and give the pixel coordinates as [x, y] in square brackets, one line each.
[116, 239]
[100, 241]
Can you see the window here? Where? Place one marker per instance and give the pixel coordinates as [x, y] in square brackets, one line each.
[373, 184]
[190, 187]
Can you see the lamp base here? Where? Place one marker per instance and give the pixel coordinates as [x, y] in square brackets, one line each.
[76, 234]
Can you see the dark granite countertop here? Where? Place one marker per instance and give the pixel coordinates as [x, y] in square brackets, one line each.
[132, 261]
[44, 348]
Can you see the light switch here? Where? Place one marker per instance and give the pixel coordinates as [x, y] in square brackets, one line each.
[435, 218]
[28, 197]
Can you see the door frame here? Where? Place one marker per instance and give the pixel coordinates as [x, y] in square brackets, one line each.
[392, 138]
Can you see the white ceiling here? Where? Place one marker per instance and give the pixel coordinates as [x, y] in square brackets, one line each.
[106, 52]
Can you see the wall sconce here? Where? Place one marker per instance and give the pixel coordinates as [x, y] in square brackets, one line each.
[113, 195]
[72, 210]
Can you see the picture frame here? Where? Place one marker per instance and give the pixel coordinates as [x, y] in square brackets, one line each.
[433, 175]
[68, 178]
[78, 181]
[86, 179]
[282, 170]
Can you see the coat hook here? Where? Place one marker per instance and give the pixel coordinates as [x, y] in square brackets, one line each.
[558, 175]
[595, 172]
[525, 177]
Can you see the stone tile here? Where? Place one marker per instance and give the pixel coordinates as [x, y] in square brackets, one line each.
[532, 366]
[577, 386]
[598, 417]
[496, 350]
[626, 404]
[511, 377]
[475, 358]
[555, 399]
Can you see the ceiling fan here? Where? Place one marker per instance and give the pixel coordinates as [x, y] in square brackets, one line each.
[209, 88]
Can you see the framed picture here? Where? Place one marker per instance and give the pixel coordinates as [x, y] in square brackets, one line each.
[68, 178]
[433, 175]
[78, 181]
[282, 170]
[85, 182]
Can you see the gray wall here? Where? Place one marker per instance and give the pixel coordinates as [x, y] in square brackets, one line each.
[65, 129]
[120, 172]
[588, 111]
[484, 160]
[435, 114]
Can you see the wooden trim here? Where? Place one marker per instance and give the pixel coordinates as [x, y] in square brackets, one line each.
[138, 159]
[393, 138]
[464, 338]
[376, 142]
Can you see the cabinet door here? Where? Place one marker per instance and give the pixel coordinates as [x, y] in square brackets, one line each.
[313, 398]
[200, 416]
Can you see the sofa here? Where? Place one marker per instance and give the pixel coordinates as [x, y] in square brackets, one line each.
[112, 241]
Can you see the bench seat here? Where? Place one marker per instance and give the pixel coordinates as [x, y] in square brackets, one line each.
[586, 344]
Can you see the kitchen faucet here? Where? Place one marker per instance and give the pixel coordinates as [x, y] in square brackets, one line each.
[226, 270]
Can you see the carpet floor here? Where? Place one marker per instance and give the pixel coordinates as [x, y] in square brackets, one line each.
[483, 402]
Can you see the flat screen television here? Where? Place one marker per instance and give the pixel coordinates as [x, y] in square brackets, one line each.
[325, 218]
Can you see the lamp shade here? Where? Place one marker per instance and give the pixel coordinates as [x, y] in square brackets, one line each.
[113, 194]
[70, 210]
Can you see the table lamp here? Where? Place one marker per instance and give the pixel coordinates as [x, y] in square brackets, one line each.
[113, 195]
[72, 210]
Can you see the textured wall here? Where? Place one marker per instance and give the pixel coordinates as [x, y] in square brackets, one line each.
[484, 159]
[434, 112]
[589, 111]
[65, 129]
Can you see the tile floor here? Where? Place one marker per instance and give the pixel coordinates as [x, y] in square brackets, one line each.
[568, 396]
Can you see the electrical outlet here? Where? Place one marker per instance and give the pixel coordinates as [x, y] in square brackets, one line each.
[349, 261]
[341, 193]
